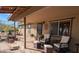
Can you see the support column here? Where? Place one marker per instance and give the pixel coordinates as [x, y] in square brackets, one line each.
[24, 32]
[15, 30]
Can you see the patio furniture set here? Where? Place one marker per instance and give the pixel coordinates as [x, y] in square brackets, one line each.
[53, 44]
[6, 36]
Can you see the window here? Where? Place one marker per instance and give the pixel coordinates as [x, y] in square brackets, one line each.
[39, 28]
[62, 27]
[54, 28]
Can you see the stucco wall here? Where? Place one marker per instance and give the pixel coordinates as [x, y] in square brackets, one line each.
[75, 33]
[45, 28]
[30, 31]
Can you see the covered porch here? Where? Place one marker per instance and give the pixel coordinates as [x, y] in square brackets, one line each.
[45, 20]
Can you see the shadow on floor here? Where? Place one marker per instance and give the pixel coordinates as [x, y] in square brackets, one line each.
[41, 50]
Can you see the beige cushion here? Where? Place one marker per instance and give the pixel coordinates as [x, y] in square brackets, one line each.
[57, 45]
[3, 35]
[64, 39]
[48, 46]
[62, 45]
[36, 41]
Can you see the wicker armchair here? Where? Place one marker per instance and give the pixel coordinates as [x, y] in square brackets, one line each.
[63, 46]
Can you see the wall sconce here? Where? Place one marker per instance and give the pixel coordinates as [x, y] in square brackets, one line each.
[29, 26]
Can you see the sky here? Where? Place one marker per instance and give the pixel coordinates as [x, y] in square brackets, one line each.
[4, 19]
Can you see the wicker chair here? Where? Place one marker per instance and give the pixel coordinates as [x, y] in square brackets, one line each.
[63, 46]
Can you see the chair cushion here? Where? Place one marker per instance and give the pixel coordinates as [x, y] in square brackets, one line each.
[57, 45]
[4, 35]
[36, 41]
[64, 39]
[62, 45]
[48, 46]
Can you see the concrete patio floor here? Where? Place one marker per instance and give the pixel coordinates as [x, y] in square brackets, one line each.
[5, 48]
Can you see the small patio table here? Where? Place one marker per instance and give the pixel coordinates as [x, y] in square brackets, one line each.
[77, 47]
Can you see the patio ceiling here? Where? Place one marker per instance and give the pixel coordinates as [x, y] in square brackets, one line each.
[21, 12]
[14, 10]
[7, 9]
[18, 11]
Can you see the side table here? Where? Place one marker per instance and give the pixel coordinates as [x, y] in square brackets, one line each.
[77, 46]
